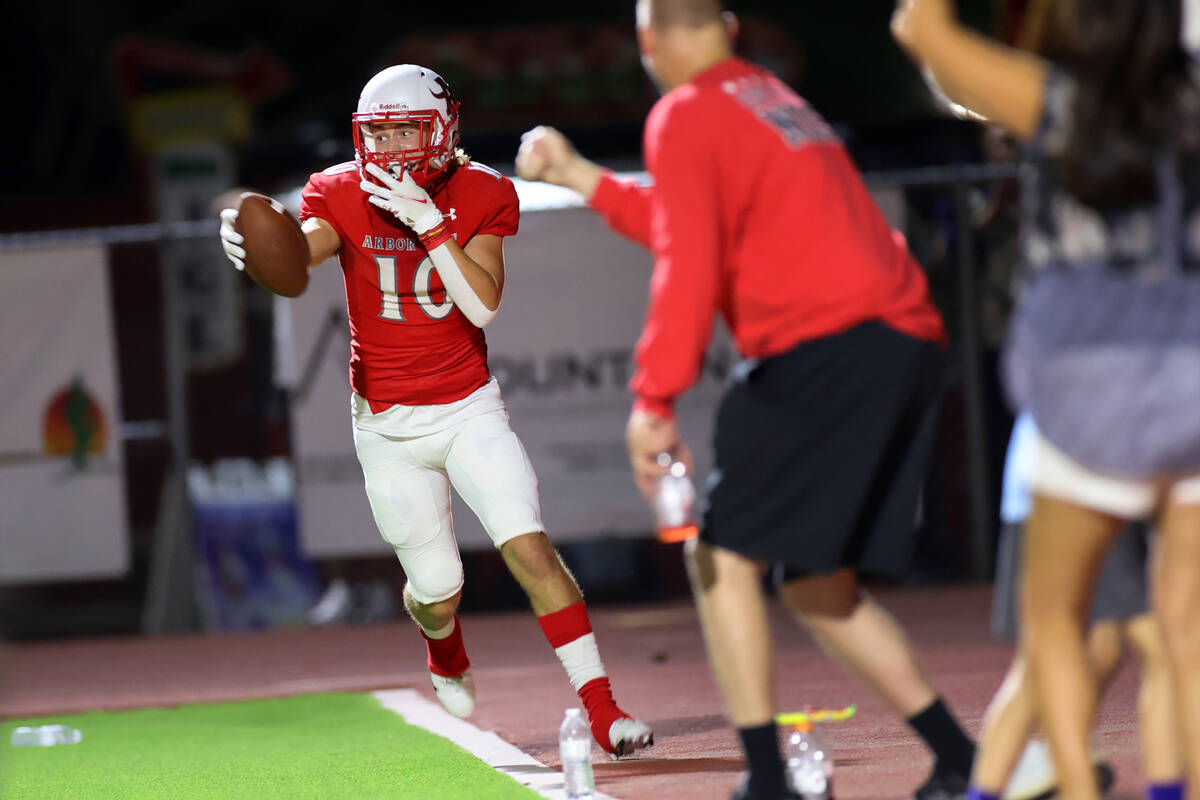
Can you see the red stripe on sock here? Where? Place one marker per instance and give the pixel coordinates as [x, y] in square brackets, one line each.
[447, 657]
[565, 626]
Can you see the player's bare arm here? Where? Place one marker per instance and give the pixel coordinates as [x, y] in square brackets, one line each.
[323, 240]
[546, 155]
[1003, 85]
[482, 264]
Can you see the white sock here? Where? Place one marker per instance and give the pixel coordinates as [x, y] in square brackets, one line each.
[581, 659]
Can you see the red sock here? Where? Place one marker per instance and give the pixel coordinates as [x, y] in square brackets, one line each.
[602, 710]
[447, 657]
[565, 626]
[570, 634]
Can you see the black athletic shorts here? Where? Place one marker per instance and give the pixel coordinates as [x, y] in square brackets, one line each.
[821, 453]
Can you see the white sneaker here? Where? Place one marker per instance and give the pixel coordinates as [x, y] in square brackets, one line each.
[627, 736]
[1034, 777]
[333, 606]
[457, 695]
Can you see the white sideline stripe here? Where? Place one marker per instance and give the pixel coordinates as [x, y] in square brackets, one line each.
[484, 745]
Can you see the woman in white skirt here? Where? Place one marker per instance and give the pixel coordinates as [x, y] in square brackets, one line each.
[1104, 346]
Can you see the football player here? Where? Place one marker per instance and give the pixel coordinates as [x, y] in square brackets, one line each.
[419, 231]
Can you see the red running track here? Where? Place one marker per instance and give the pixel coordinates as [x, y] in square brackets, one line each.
[655, 656]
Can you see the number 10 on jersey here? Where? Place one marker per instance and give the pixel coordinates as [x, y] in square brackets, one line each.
[390, 305]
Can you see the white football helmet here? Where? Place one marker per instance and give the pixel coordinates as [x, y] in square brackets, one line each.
[408, 93]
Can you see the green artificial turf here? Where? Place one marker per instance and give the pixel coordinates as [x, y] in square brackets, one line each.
[327, 746]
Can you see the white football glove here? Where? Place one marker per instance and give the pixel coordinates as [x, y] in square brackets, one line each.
[403, 198]
[413, 206]
[231, 240]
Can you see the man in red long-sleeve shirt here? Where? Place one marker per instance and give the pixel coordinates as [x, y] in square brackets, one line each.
[757, 213]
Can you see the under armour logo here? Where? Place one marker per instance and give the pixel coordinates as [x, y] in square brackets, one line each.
[452, 215]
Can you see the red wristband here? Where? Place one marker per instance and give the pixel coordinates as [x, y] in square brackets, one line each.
[436, 236]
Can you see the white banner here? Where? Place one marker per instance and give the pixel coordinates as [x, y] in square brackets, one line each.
[561, 347]
[62, 494]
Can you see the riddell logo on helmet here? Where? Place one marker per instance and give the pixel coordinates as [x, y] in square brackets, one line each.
[389, 107]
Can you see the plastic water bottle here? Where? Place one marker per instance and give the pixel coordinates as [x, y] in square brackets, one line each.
[673, 501]
[45, 736]
[809, 762]
[575, 749]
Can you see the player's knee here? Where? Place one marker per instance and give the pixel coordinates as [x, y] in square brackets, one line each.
[532, 553]
[435, 589]
[444, 609]
[441, 609]
[832, 596]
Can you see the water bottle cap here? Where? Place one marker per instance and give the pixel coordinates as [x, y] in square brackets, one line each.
[679, 469]
[574, 712]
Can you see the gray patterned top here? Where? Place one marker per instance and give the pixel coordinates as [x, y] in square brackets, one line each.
[1104, 345]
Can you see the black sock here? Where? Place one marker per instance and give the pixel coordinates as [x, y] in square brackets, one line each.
[951, 747]
[762, 757]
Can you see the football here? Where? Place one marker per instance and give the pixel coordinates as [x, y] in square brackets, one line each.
[276, 250]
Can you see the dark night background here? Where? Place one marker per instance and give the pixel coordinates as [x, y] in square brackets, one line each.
[77, 66]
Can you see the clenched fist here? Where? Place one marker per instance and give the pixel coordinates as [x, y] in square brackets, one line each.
[546, 155]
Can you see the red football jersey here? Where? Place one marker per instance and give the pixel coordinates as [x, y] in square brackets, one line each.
[757, 213]
[409, 343]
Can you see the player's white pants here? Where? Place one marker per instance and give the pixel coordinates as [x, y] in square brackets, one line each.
[468, 444]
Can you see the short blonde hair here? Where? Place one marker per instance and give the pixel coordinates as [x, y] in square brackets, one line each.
[686, 13]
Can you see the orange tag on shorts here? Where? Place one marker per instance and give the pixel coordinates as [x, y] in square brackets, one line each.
[679, 534]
